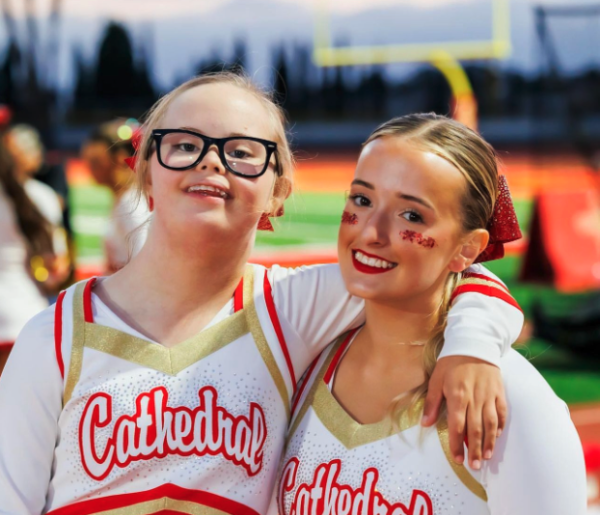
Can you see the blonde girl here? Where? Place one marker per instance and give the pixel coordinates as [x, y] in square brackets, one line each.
[167, 386]
[425, 197]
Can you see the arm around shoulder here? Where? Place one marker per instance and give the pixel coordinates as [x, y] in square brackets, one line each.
[30, 404]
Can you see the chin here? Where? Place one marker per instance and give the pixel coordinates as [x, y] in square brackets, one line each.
[364, 289]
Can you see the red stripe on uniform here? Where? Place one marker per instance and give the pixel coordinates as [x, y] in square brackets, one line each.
[470, 275]
[490, 291]
[334, 362]
[300, 392]
[275, 321]
[238, 297]
[178, 493]
[58, 333]
[87, 301]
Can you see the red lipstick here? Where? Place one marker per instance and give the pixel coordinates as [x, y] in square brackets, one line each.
[367, 269]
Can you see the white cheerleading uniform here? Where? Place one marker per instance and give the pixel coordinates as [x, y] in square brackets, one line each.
[334, 465]
[95, 418]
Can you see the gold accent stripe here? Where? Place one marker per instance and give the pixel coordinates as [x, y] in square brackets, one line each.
[171, 360]
[318, 378]
[77, 343]
[260, 340]
[460, 470]
[470, 280]
[353, 434]
[339, 423]
[166, 503]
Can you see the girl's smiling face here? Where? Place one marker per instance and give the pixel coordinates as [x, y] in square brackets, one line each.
[232, 211]
[403, 223]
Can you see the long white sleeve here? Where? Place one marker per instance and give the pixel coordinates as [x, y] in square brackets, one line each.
[30, 405]
[315, 307]
[484, 320]
[538, 465]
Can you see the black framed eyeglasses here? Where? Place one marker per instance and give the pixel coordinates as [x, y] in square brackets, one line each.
[181, 149]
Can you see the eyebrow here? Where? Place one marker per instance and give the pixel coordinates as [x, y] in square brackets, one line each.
[231, 135]
[359, 182]
[412, 198]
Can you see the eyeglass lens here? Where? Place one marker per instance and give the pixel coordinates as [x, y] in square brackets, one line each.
[180, 150]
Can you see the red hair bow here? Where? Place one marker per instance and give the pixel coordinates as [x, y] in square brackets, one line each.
[136, 141]
[503, 226]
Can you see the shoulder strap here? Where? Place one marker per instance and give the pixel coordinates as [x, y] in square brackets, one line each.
[58, 333]
[87, 301]
[334, 351]
[260, 339]
[277, 326]
[82, 314]
[328, 372]
[238, 297]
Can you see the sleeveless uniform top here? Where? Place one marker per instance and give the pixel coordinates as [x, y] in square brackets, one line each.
[196, 428]
[334, 465]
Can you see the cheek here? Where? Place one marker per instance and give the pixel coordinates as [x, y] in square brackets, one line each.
[254, 195]
[349, 218]
[416, 238]
[162, 182]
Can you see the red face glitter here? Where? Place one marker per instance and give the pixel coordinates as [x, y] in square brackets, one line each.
[416, 237]
[349, 218]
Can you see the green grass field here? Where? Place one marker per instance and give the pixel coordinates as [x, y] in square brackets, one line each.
[312, 220]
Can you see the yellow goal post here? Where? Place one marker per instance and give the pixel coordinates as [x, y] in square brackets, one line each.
[445, 56]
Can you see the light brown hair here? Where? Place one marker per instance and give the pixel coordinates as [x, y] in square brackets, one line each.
[36, 229]
[476, 160]
[284, 156]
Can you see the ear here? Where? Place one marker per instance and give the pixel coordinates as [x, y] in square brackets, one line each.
[281, 191]
[474, 243]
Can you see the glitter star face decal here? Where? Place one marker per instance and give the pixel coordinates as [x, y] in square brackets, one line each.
[418, 239]
[349, 218]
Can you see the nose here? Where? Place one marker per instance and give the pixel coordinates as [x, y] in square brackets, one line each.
[376, 230]
[212, 161]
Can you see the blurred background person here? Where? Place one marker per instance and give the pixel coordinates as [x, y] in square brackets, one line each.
[105, 153]
[30, 267]
[26, 151]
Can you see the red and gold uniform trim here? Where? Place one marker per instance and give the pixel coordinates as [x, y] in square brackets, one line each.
[479, 283]
[165, 499]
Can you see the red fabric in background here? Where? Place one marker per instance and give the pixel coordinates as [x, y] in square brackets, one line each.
[564, 241]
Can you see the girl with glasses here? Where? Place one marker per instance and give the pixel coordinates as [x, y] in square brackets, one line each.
[167, 387]
[423, 195]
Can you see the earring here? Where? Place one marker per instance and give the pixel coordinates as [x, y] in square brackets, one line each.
[150, 203]
[280, 211]
[264, 224]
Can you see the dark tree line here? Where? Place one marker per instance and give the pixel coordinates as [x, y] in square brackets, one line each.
[117, 81]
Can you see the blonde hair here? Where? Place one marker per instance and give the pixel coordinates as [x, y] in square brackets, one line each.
[477, 161]
[283, 155]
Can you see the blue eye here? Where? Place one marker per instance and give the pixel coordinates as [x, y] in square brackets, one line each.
[412, 216]
[360, 200]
